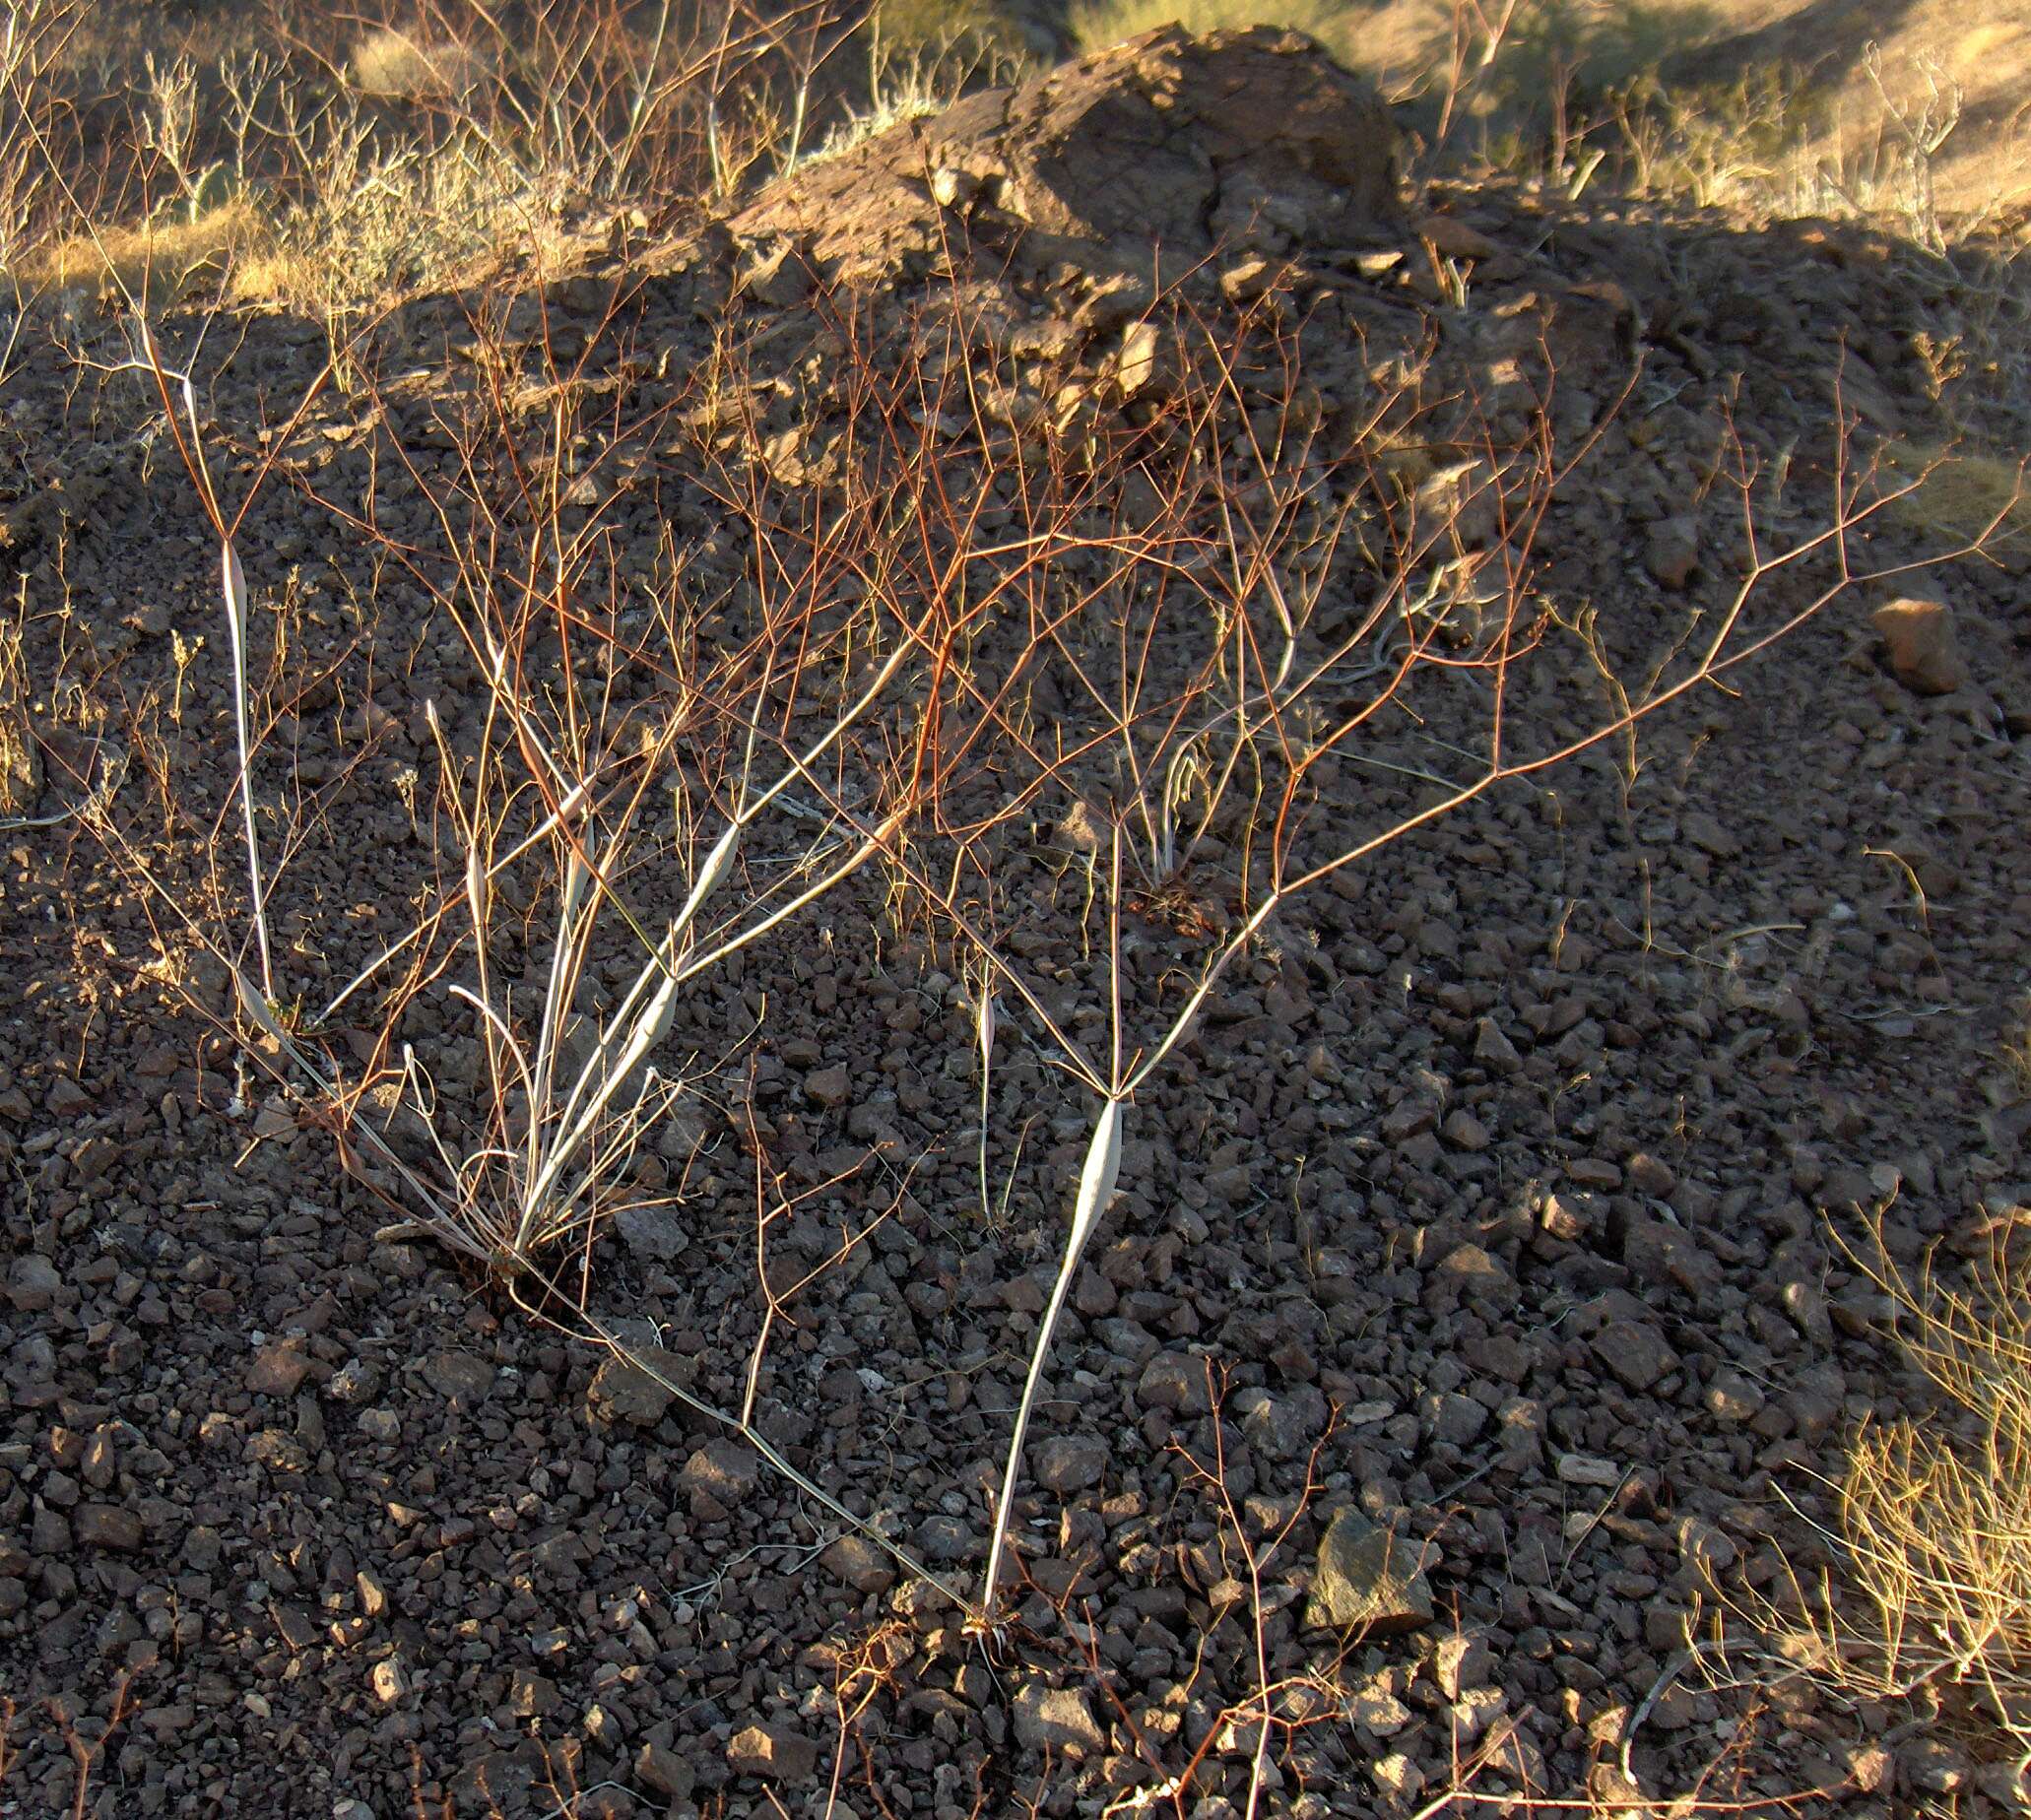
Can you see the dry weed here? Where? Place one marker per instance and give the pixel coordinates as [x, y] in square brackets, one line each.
[1096, 23]
[391, 65]
[1936, 1511]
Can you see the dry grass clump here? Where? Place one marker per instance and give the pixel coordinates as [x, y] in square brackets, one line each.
[329, 171]
[1962, 488]
[1937, 1510]
[910, 77]
[1637, 98]
[1750, 146]
[376, 222]
[154, 262]
[911, 25]
[1096, 23]
[392, 65]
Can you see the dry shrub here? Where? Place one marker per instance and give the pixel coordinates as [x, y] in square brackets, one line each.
[1937, 1510]
[374, 220]
[912, 77]
[392, 66]
[1962, 487]
[154, 262]
[1096, 23]
[21, 759]
[907, 24]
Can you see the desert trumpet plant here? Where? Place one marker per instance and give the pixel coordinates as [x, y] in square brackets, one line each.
[1296, 840]
[897, 653]
[563, 1132]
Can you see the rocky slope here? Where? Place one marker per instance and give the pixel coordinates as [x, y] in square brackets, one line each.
[1492, 1196]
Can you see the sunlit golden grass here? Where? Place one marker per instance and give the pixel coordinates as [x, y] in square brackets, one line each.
[154, 261]
[1096, 23]
[394, 66]
[907, 24]
[1961, 489]
[1937, 1509]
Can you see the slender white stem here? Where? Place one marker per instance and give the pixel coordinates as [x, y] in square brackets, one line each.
[1095, 1189]
[235, 582]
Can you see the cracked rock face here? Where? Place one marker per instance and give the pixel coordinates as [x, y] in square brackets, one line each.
[1250, 138]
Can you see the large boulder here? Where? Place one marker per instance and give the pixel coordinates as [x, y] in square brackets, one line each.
[1238, 138]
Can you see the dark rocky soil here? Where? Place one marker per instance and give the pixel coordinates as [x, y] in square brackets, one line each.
[1494, 1197]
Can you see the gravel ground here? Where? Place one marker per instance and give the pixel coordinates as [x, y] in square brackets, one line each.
[1494, 1199]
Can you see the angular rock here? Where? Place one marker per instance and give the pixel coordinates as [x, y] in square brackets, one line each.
[1126, 1340]
[355, 1384]
[1710, 835]
[1588, 1470]
[775, 1751]
[107, 1525]
[1703, 1545]
[1635, 1353]
[776, 277]
[1463, 1132]
[1454, 239]
[1919, 640]
[655, 1234]
[1670, 552]
[827, 1086]
[277, 1370]
[1068, 1463]
[1408, 1120]
[532, 1695]
[1649, 1175]
[724, 1468]
[1453, 1418]
[1367, 1580]
[1520, 1431]
[460, 1375]
[1663, 1256]
[34, 1283]
[1378, 1711]
[623, 1391]
[1398, 1779]
[1175, 1380]
[1470, 1271]
[1249, 278]
[1166, 138]
[1284, 1426]
[1462, 1662]
[860, 1564]
[1493, 1050]
[660, 1771]
[1142, 359]
[1732, 1398]
[1056, 1719]
[943, 1539]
